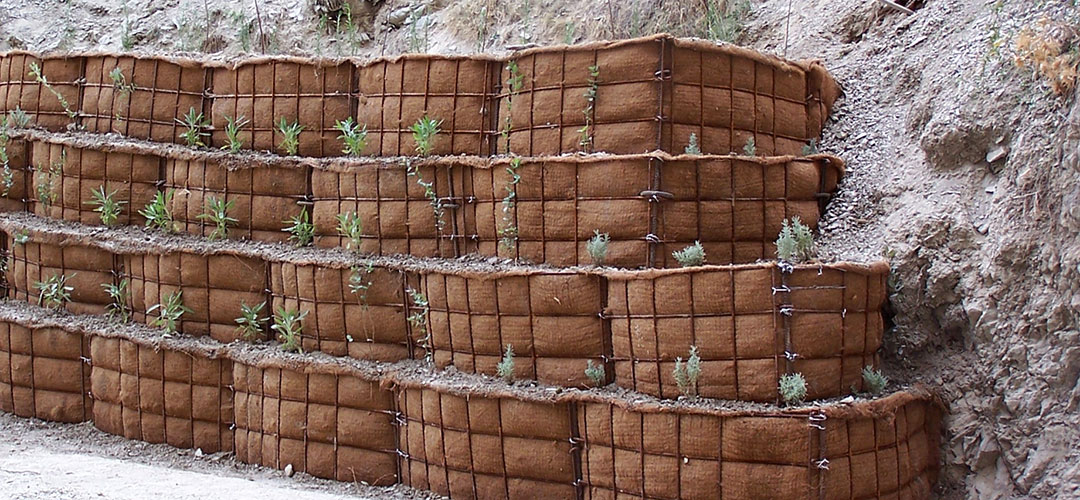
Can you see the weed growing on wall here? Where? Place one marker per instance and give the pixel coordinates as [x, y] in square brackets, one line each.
[47, 178]
[597, 247]
[438, 209]
[120, 82]
[505, 368]
[169, 312]
[106, 205]
[54, 292]
[874, 381]
[353, 137]
[351, 228]
[250, 324]
[290, 142]
[301, 230]
[586, 131]
[217, 212]
[288, 323]
[796, 241]
[21, 237]
[157, 212]
[418, 320]
[17, 118]
[693, 255]
[7, 176]
[360, 282]
[692, 148]
[423, 133]
[792, 388]
[508, 234]
[595, 373]
[686, 375]
[514, 83]
[118, 300]
[195, 126]
[35, 71]
[233, 126]
[750, 148]
[810, 148]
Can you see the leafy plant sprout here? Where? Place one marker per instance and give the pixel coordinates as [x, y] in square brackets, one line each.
[107, 205]
[515, 83]
[35, 71]
[692, 148]
[418, 320]
[291, 132]
[810, 148]
[46, 179]
[508, 234]
[795, 242]
[360, 281]
[590, 106]
[350, 227]
[169, 312]
[874, 381]
[300, 229]
[22, 237]
[354, 137]
[595, 373]
[723, 20]
[437, 207]
[693, 255]
[54, 292]
[792, 388]
[120, 81]
[157, 212]
[686, 375]
[505, 368]
[233, 127]
[118, 305]
[288, 323]
[750, 148]
[250, 324]
[7, 178]
[17, 118]
[194, 128]
[424, 132]
[597, 247]
[217, 212]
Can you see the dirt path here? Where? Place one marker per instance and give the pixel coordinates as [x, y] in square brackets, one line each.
[45, 460]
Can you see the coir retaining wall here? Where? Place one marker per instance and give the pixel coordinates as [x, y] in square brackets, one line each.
[751, 323]
[472, 438]
[649, 93]
[43, 373]
[541, 210]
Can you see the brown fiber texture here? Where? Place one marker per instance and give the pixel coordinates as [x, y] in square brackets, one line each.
[13, 197]
[42, 373]
[651, 93]
[541, 210]
[751, 323]
[469, 438]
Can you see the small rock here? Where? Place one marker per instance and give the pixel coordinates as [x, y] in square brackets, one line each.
[398, 16]
[198, 452]
[997, 153]
[289, 470]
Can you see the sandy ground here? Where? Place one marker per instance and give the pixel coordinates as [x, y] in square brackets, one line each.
[45, 460]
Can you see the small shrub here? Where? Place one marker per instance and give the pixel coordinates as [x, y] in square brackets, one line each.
[118, 295]
[54, 292]
[47, 178]
[597, 246]
[796, 242]
[693, 255]
[120, 82]
[250, 324]
[353, 136]
[586, 140]
[300, 229]
[595, 373]
[157, 212]
[692, 148]
[288, 323]
[750, 149]
[17, 118]
[233, 127]
[505, 368]
[686, 375]
[194, 128]
[290, 143]
[360, 282]
[351, 228]
[508, 233]
[424, 132]
[873, 380]
[793, 388]
[169, 312]
[35, 71]
[106, 205]
[217, 212]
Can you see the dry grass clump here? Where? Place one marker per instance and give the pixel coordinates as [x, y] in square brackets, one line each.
[1050, 51]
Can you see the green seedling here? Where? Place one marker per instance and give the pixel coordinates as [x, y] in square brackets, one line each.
[288, 323]
[686, 374]
[217, 212]
[233, 127]
[508, 234]
[106, 205]
[424, 132]
[7, 177]
[515, 83]
[120, 82]
[597, 247]
[250, 324]
[418, 320]
[22, 237]
[35, 71]
[693, 255]
[54, 292]
[796, 241]
[301, 230]
[438, 209]
[354, 137]
[17, 118]
[360, 281]
[810, 148]
[595, 373]
[46, 179]
[169, 312]
[874, 381]
[692, 148]
[350, 227]
[290, 143]
[157, 212]
[586, 131]
[118, 300]
[505, 368]
[750, 148]
[194, 128]
[793, 388]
